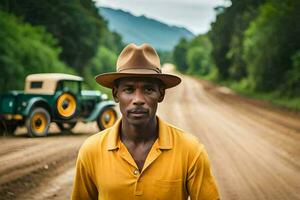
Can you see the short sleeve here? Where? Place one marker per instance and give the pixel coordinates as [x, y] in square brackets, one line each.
[201, 183]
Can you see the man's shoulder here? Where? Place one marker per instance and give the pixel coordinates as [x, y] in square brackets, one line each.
[95, 142]
[183, 138]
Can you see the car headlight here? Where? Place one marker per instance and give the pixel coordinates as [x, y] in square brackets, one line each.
[104, 97]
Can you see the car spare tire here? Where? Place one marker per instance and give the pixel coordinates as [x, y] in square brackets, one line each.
[66, 105]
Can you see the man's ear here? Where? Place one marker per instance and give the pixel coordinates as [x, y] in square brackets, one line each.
[114, 93]
[162, 94]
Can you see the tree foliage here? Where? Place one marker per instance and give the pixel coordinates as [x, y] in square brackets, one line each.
[75, 23]
[111, 40]
[257, 42]
[227, 37]
[292, 77]
[24, 50]
[194, 57]
[53, 35]
[165, 56]
[104, 61]
[179, 55]
[199, 56]
[272, 40]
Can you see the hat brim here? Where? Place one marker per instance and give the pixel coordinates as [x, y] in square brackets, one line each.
[107, 79]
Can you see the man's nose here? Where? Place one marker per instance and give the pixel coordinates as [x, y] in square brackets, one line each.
[139, 98]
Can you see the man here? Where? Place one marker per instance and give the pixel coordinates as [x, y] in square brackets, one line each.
[141, 156]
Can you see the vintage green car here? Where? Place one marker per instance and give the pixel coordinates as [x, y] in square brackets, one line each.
[54, 97]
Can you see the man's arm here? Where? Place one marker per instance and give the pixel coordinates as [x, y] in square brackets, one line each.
[83, 186]
[201, 183]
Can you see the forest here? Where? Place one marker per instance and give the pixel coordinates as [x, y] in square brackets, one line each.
[54, 36]
[252, 47]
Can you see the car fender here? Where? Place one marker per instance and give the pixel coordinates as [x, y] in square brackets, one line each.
[98, 108]
[36, 101]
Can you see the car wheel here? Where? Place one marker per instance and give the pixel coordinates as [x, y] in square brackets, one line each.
[106, 118]
[38, 122]
[66, 105]
[66, 126]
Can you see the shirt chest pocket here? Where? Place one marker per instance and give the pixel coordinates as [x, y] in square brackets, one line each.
[168, 189]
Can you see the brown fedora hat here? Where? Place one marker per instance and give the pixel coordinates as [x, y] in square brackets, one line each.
[137, 61]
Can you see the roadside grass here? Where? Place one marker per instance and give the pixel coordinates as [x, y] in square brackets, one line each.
[242, 88]
[276, 98]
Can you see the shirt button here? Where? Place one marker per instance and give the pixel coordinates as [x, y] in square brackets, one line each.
[136, 172]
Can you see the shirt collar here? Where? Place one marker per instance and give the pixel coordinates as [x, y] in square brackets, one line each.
[164, 136]
[113, 136]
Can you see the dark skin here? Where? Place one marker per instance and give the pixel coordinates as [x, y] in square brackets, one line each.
[138, 99]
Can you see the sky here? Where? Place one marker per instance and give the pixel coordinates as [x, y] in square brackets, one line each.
[195, 15]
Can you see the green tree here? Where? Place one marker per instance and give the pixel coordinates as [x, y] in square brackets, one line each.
[292, 77]
[165, 56]
[75, 23]
[220, 35]
[226, 35]
[199, 55]
[24, 50]
[104, 61]
[270, 42]
[111, 40]
[179, 55]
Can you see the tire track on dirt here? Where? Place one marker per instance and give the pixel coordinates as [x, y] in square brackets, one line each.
[255, 107]
[26, 168]
[259, 144]
[270, 133]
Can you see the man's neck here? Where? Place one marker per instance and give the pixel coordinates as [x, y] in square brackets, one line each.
[139, 134]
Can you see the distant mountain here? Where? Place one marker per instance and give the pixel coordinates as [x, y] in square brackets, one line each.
[142, 29]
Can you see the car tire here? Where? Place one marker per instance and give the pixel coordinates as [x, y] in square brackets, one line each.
[38, 122]
[66, 126]
[66, 105]
[106, 118]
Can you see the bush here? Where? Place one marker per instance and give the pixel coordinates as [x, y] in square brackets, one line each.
[292, 83]
[270, 41]
[104, 61]
[179, 55]
[25, 49]
[198, 56]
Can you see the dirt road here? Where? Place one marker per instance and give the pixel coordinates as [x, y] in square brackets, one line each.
[254, 148]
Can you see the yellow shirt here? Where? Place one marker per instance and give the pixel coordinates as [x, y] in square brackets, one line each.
[176, 167]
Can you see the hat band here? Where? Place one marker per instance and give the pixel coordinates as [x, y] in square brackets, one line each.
[140, 70]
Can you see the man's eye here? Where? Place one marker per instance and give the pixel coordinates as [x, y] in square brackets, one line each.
[128, 90]
[149, 90]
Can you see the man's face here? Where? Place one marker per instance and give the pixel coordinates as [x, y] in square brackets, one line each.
[138, 99]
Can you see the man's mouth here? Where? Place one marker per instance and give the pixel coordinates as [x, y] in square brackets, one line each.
[138, 112]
